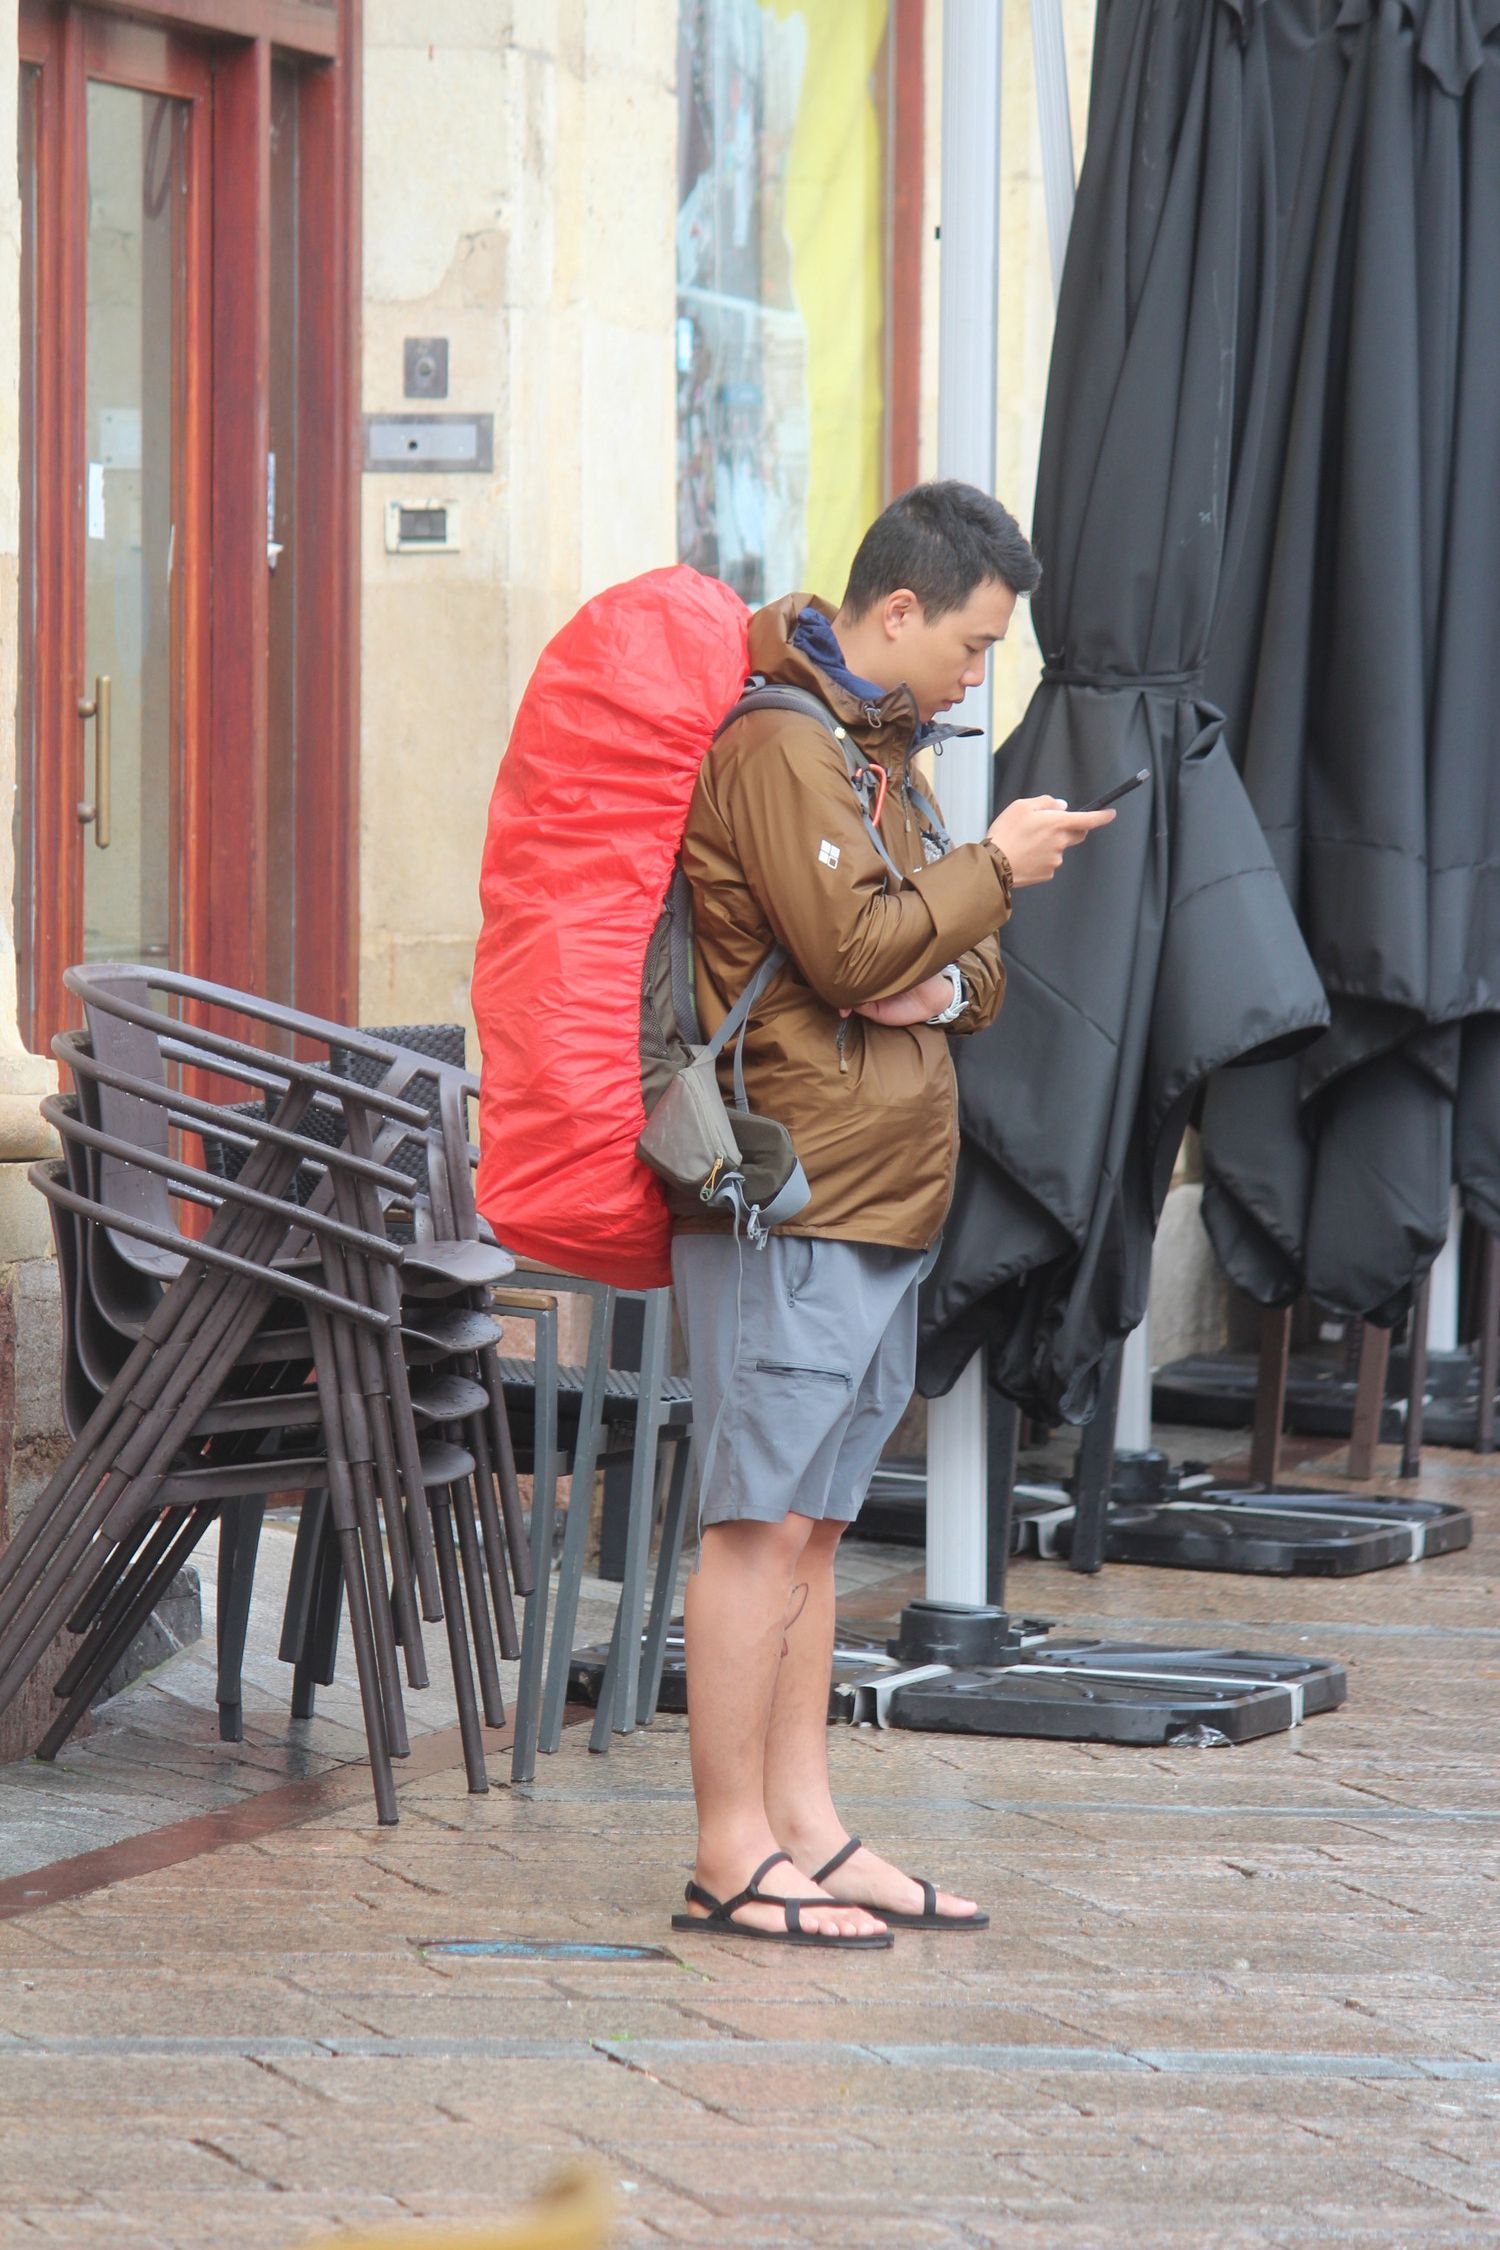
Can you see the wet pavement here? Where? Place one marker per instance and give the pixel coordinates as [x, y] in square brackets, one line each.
[1230, 1997]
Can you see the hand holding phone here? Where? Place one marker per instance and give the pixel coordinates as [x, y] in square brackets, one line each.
[1035, 832]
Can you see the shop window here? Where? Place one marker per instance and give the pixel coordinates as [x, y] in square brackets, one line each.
[794, 158]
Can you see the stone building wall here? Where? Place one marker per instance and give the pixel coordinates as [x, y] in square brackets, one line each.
[520, 199]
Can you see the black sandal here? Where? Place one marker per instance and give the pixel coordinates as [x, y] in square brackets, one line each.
[719, 1920]
[928, 1919]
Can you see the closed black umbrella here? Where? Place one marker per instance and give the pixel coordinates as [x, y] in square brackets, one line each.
[1167, 946]
[1362, 674]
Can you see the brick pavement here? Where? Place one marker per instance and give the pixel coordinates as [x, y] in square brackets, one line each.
[1232, 1997]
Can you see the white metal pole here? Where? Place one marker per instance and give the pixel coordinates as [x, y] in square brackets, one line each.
[1133, 1418]
[1442, 1294]
[1050, 59]
[968, 324]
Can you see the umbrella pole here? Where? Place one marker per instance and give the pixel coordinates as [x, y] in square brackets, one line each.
[1133, 1417]
[970, 1480]
[968, 322]
[1442, 1292]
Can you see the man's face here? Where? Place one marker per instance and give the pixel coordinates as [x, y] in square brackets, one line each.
[942, 658]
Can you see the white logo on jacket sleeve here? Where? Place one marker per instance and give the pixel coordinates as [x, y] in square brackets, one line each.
[828, 854]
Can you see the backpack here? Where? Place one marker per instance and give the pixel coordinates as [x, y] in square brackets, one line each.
[600, 1110]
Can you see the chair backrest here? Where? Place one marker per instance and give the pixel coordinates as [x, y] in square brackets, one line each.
[131, 1189]
[126, 1079]
[80, 1394]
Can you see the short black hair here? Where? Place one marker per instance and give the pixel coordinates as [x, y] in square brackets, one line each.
[942, 540]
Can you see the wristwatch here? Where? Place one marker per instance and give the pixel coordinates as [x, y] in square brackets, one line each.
[958, 1003]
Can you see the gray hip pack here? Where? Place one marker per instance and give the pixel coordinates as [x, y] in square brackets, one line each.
[704, 1152]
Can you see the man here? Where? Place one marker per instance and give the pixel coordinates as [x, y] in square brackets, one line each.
[802, 1355]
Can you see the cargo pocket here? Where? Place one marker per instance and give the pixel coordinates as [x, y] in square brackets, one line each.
[817, 1374]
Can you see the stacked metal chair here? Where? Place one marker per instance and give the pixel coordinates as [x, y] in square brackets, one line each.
[283, 1347]
[309, 1306]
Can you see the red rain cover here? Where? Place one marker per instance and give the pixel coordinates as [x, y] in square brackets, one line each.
[585, 821]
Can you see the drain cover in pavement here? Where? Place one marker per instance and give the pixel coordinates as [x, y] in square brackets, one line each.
[541, 1949]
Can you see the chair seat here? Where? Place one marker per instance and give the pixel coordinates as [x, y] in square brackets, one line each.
[445, 1266]
[447, 1398]
[443, 1335]
[622, 1389]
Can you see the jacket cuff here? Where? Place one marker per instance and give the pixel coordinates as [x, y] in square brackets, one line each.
[1003, 867]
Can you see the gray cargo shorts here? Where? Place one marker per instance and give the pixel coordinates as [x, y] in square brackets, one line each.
[802, 1356]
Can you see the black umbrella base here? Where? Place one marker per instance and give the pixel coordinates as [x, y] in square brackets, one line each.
[1097, 1691]
[1216, 1391]
[1069, 1691]
[856, 1658]
[1296, 1531]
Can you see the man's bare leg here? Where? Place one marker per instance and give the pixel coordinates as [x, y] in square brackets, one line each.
[738, 1603]
[798, 1795]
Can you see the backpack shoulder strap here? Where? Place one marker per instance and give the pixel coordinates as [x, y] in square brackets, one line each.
[761, 695]
[767, 967]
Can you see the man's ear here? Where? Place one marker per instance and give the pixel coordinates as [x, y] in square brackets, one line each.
[898, 611]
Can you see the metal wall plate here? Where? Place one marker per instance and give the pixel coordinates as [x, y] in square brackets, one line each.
[424, 367]
[422, 527]
[458, 444]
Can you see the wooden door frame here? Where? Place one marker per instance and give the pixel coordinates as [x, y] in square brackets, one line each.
[226, 71]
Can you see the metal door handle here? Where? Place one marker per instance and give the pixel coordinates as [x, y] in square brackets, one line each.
[98, 709]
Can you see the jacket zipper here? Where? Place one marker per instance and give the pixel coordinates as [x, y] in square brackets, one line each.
[839, 1037]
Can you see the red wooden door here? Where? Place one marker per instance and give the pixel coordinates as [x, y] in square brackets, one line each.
[165, 813]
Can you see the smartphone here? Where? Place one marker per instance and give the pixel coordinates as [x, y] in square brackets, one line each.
[1113, 796]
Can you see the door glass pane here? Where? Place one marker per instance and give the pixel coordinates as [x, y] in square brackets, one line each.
[133, 570]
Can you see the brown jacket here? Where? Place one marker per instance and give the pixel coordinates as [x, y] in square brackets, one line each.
[776, 849]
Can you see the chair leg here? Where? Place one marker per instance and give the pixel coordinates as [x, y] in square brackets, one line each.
[564, 1619]
[674, 1523]
[367, 1518]
[107, 1648]
[315, 1659]
[239, 1531]
[492, 1531]
[543, 1516]
[1369, 1399]
[367, 1437]
[115, 1591]
[504, 1454]
[352, 1558]
[603, 1728]
[1489, 1343]
[307, 1549]
[654, 1342]
[576, 1531]
[458, 1645]
[461, 1503]
[1416, 1382]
